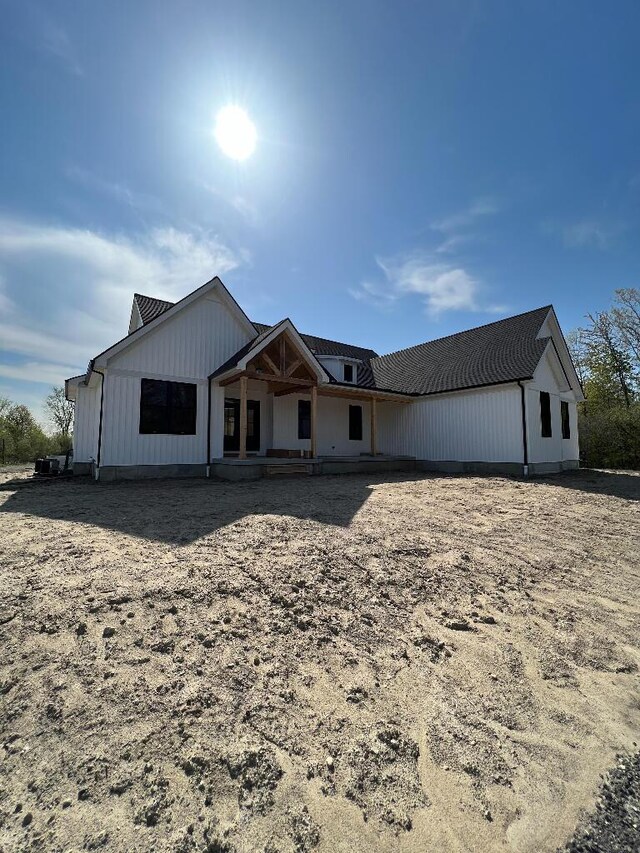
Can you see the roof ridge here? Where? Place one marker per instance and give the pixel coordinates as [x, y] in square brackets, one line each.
[320, 338]
[465, 331]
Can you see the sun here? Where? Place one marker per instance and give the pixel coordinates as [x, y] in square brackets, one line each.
[235, 132]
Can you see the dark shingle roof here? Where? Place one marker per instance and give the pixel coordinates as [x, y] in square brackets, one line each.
[504, 351]
[150, 308]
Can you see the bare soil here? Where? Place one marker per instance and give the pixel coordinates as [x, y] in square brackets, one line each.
[407, 663]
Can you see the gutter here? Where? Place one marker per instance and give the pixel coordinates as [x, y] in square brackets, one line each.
[525, 440]
[208, 460]
[100, 373]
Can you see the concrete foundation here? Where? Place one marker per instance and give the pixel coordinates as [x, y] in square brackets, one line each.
[504, 469]
[81, 469]
[109, 473]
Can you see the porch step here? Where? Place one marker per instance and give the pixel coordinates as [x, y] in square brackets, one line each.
[277, 470]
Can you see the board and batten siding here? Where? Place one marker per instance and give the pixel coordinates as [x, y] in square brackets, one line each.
[555, 448]
[333, 425]
[122, 443]
[466, 426]
[86, 419]
[192, 344]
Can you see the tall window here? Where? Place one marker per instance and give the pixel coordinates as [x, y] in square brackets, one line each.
[355, 423]
[545, 414]
[304, 418]
[347, 372]
[168, 408]
[564, 416]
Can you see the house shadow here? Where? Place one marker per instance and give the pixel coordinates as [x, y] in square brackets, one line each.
[181, 511]
[617, 484]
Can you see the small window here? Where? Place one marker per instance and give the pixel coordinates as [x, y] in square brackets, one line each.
[545, 414]
[304, 418]
[348, 373]
[564, 416]
[167, 408]
[355, 423]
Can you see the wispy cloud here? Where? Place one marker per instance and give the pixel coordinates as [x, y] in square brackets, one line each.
[242, 205]
[115, 190]
[587, 232]
[464, 219]
[68, 291]
[52, 38]
[442, 287]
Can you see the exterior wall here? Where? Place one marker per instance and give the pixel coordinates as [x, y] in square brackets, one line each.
[86, 418]
[193, 344]
[333, 426]
[185, 349]
[468, 426]
[122, 443]
[335, 366]
[548, 377]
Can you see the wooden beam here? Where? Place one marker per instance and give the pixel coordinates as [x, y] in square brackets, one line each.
[292, 389]
[314, 418]
[293, 367]
[271, 364]
[281, 341]
[287, 380]
[243, 418]
[373, 427]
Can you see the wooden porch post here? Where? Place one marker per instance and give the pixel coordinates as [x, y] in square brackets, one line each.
[374, 448]
[314, 413]
[243, 418]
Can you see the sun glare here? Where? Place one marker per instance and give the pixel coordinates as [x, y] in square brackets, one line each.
[235, 133]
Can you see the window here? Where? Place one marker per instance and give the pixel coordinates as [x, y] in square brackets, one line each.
[355, 423]
[545, 414]
[304, 418]
[348, 372]
[167, 407]
[564, 417]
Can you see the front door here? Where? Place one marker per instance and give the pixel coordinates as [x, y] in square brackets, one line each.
[232, 425]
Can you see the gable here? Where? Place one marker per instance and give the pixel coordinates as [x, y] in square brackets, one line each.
[190, 343]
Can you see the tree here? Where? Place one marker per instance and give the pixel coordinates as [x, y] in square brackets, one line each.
[60, 411]
[25, 439]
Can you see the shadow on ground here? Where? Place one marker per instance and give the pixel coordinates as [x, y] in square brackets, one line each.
[182, 511]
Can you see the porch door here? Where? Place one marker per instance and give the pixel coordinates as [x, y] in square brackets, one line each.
[232, 425]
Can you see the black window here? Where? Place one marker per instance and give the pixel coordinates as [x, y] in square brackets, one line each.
[355, 423]
[564, 416]
[545, 414]
[304, 418]
[348, 373]
[167, 407]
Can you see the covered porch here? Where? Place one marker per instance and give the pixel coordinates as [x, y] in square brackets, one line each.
[277, 411]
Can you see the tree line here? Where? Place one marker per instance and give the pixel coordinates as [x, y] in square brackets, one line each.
[606, 354]
[22, 439]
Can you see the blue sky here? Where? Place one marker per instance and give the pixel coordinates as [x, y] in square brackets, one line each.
[421, 167]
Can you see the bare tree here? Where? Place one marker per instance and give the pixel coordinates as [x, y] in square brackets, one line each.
[60, 411]
[626, 316]
[605, 344]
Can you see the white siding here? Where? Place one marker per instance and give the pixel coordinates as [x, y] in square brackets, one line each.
[122, 443]
[335, 366]
[86, 418]
[554, 449]
[192, 344]
[470, 426]
[333, 426]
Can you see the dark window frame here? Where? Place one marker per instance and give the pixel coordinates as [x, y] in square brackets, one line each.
[355, 423]
[304, 419]
[565, 419]
[345, 368]
[546, 426]
[168, 408]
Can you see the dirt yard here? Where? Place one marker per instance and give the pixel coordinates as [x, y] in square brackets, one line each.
[407, 663]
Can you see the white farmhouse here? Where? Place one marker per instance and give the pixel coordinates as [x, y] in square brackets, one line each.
[197, 388]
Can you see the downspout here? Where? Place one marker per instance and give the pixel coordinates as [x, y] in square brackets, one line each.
[209, 427]
[525, 441]
[100, 373]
